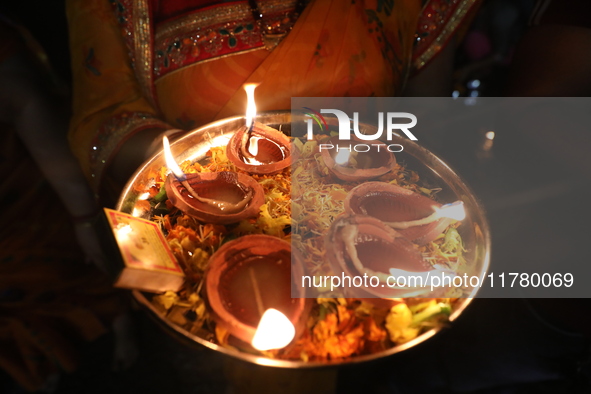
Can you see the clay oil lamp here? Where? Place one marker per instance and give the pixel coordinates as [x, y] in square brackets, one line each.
[216, 197]
[257, 148]
[412, 215]
[355, 161]
[360, 246]
[248, 287]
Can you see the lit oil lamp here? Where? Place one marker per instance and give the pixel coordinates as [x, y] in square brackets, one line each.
[355, 161]
[274, 331]
[248, 287]
[363, 246]
[414, 216]
[255, 147]
[215, 197]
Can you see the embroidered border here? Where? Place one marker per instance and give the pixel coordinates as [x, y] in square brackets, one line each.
[112, 134]
[216, 32]
[144, 45]
[123, 15]
[437, 23]
[135, 20]
[271, 7]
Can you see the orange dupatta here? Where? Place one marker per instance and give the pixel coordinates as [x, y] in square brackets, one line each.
[336, 48]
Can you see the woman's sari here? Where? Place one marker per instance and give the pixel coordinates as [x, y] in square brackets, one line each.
[145, 64]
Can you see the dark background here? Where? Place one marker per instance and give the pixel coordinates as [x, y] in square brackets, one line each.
[537, 203]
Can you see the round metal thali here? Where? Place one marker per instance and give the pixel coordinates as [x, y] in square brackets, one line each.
[194, 146]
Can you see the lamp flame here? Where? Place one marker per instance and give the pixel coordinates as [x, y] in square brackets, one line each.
[342, 157]
[455, 211]
[253, 146]
[274, 331]
[251, 108]
[171, 162]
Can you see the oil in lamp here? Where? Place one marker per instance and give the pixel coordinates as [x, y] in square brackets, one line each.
[363, 246]
[214, 197]
[414, 216]
[248, 287]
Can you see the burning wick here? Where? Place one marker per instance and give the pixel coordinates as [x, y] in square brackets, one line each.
[487, 144]
[174, 167]
[347, 158]
[455, 211]
[251, 112]
[251, 107]
[342, 157]
[253, 146]
[274, 331]
[224, 206]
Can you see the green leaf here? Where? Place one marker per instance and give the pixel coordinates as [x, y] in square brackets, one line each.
[431, 311]
[161, 196]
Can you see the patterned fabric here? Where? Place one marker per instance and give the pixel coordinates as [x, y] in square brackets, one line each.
[200, 36]
[188, 69]
[437, 24]
[112, 133]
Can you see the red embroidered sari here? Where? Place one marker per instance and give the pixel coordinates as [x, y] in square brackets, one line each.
[142, 64]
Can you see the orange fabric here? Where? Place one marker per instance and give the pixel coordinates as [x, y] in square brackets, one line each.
[104, 83]
[329, 52]
[164, 9]
[336, 48]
